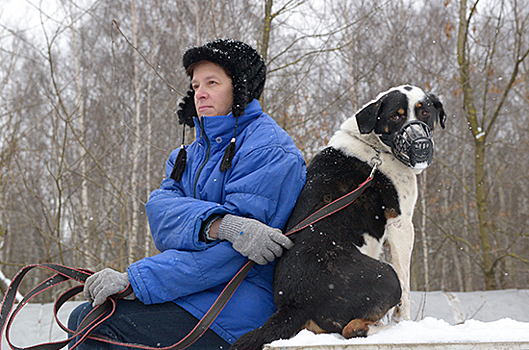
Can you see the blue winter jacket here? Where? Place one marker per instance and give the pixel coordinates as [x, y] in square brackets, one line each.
[266, 177]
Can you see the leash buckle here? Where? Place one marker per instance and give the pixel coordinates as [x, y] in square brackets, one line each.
[376, 161]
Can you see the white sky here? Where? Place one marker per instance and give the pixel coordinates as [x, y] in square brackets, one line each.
[20, 14]
[24, 16]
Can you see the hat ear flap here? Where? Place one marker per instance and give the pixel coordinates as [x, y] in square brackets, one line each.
[255, 77]
[240, 96]
[187, 110]
[366, 118]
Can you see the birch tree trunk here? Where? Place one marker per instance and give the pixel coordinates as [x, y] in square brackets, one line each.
[197, 23]
[83, 260]
[133, 234]
[148, 136]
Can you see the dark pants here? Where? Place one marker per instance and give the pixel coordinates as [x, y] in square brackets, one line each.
[158, 325]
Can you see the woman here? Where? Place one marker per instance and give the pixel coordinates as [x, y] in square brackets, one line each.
[225, 199]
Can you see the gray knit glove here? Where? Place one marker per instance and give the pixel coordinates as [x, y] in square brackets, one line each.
[102, 284]
[253, 239]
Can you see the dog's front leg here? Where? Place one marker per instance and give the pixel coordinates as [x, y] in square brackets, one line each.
[400, 236]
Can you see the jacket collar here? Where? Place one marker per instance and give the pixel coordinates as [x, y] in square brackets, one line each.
[220, 129]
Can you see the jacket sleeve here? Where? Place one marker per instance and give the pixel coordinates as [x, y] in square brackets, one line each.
[263, 185]
[175, 219]
[175, 216]
[174, 274]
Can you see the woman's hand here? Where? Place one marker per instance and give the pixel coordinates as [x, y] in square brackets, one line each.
[253, 239]
[105, 283]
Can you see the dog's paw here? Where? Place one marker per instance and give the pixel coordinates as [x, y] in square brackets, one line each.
[356, 328]
[377, 327]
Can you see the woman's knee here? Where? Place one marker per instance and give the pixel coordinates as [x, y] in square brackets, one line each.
[78, 314]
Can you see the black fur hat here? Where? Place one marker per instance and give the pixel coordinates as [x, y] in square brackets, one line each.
[243, 63]
[247, 70]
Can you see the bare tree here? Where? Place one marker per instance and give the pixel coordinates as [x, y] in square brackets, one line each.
[493, 95]
[88, 120]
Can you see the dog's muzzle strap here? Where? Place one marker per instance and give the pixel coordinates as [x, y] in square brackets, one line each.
[413, 145]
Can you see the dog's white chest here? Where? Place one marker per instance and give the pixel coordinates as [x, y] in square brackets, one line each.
[372, 246]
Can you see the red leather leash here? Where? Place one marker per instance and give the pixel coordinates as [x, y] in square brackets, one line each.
[102, 312]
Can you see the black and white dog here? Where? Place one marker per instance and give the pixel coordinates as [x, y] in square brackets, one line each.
[331, 280]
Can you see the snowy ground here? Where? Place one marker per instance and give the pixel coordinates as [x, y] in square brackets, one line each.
[497, 316]
[465, 318]
[427, 331]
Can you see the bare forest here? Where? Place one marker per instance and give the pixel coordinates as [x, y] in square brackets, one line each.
[88, 101]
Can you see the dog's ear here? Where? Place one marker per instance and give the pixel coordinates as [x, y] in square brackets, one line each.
[366, 118]
[437, 104]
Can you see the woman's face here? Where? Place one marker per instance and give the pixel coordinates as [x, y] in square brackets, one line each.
[213, 89]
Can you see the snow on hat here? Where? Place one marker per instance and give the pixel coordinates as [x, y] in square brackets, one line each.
[248, 74]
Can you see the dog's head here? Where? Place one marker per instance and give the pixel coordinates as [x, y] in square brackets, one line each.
[403, 119]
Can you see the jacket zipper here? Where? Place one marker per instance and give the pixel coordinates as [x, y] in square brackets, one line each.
[203, 133]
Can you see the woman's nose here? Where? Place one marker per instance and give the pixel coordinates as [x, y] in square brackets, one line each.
[201, 93]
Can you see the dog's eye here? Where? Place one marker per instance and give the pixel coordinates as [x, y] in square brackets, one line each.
[425, 112]
[395, 117]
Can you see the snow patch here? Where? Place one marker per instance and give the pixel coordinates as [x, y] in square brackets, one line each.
[438, 317]
[429, 330]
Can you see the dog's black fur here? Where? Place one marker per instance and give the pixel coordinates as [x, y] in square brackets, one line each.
[326, 282]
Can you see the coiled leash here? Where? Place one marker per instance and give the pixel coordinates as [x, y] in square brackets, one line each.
[103, 311]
